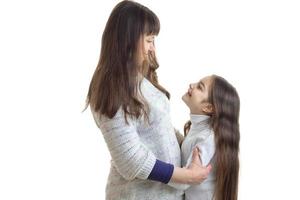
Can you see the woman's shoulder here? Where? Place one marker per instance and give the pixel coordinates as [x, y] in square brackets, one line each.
[146, 84]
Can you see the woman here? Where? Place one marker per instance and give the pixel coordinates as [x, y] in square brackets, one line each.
[214, 128]
[132, 111]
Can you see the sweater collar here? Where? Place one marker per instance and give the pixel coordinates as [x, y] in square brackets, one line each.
[200, 120]
[200, 123]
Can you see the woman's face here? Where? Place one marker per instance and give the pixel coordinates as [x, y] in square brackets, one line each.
[197, 95]
[146, 46]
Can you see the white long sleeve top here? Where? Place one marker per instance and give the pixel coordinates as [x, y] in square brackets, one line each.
[200, 135]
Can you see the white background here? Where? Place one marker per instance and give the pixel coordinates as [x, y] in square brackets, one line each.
[49, 51]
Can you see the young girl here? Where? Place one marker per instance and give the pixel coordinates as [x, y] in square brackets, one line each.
[213, 128]
[133, 113]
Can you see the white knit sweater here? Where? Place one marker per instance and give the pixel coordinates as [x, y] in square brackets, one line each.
[134, 149]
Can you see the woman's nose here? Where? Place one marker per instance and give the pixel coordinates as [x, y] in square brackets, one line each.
[191, 86]
[152, 48]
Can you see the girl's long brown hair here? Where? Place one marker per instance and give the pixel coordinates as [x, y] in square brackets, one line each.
[115, 82]
[225, 123]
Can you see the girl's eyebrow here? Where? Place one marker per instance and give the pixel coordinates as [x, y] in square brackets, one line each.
[201, 83]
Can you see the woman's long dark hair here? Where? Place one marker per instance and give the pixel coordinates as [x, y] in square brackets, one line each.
[225, 123]
[115, 82]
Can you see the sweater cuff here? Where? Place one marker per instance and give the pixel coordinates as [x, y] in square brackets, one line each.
[147, 167]
[161, 172]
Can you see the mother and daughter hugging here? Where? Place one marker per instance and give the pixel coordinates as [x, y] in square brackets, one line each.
[150, 160]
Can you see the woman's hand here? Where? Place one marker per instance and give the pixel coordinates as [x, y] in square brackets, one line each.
[194, 174]
[197, 172]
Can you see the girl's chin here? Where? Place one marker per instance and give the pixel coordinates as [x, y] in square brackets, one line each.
[184, 97]
[185, 100]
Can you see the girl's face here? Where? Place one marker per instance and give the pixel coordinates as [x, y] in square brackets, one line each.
[146, 47]
[197, 95]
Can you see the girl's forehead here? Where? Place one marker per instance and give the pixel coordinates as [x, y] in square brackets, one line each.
[205, 79]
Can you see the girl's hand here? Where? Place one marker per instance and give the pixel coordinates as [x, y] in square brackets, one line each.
[197, 172]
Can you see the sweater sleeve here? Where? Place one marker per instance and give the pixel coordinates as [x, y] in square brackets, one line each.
[161, 172]
[206, 153]
[130, 156]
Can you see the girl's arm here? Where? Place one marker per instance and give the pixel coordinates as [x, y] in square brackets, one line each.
[194, 173]
[205, 152]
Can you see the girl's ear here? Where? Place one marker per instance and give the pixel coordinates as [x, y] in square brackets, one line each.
[208, 108]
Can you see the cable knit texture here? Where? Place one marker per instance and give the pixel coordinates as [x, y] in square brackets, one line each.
[134, 148]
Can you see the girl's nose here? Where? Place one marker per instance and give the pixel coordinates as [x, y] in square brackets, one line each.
[191, 86]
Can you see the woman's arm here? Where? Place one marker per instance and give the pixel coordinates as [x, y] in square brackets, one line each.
[133, 159]
[130, 156]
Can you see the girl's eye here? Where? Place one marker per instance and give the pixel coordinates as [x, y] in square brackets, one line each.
[199, 87]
